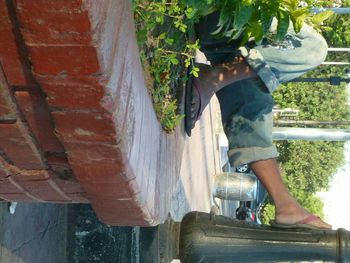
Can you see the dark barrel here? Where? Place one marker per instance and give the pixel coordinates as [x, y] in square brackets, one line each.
[208, 238]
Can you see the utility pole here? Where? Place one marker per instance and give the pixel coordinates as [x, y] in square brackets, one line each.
[310, 123]
[339, 49]
[332, 80]
[335, 63]
[337, 10]
[310, 134]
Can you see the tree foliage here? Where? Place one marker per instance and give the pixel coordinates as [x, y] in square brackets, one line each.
[315, 101]
[253, 18]
[336, 30]
[308, 166]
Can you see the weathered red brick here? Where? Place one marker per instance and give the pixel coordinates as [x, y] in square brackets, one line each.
[7, 107]
[54, 38]
[3, 10]
[69, 186]
[110, 189]
[7, 187]
[47, 23]
[84, 126]
[58, 163]
[3, 173]
[58, 158]
[54, 53]
[17, 197]
[67, 80]
[79, 198]
[30, 175]
[74, 96]
[94, 162]
[45, 190]
[11, 60]
[101, 171]
[37, 114]
[125, 212]
[71, 60]
[19, 146]
[10, 57]
[53, 6]
[53, 22]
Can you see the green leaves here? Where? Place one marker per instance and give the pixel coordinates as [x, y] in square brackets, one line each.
[199, 8]
[256, 31]
[266, 16]
[338, 33]
[180, 25]
[195, 72]
[253, 18]
[290, 4]
[283, 24]
[162, 27]
[242, 16]
[298, 17]
[319, 18]
[162, 23]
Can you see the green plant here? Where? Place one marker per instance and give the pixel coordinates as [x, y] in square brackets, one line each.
[253, 18]
[163, 29]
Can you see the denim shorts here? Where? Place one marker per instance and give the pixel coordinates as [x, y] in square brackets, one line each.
[246, 106]
[246, 110]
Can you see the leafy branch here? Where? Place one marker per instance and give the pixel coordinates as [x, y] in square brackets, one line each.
[247, 19]
[162, 30]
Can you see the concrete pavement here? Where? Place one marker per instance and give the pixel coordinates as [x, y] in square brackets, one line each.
[200, 161]
[50, 233]
[36, 233]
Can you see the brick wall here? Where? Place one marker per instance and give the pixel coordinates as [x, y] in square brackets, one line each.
[74, 107]
[33, 161]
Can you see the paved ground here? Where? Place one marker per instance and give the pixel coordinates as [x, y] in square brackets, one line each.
[92, 241]
[36, 233]
[49, 233]
[200, 162]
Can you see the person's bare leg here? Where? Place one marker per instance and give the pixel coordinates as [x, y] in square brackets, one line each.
[288, 210]
[218, 76]
[213, 78]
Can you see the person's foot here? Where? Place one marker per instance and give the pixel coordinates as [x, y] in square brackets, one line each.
[297, 215]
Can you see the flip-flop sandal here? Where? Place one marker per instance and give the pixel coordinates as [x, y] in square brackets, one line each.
[191, 87]
[302, 224]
